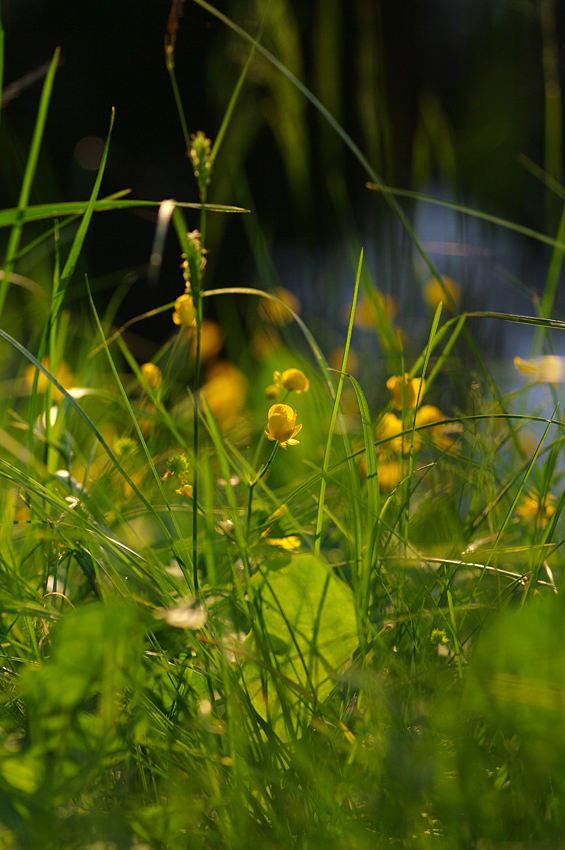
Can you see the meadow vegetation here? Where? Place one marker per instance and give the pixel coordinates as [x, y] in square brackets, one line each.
[264, 593]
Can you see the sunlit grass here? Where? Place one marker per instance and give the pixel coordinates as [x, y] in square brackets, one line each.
[282, 598]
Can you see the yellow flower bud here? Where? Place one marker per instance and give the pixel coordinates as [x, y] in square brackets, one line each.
[292, 379]
[152, 375]
[184, 311]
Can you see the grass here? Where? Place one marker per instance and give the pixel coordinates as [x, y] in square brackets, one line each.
[216, 638]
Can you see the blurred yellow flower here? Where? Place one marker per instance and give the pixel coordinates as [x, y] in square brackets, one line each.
[272, 392]
[277, 314]
[427, 415]
[63, 375]
[433, 293]
[225, 392]
[211, 340]
[371, 310]
[288, 543]
[444, 436]
[405, 391]
[152, 375]
[389, 473]
[388, 429]
[531, 507]
[292, 379]
[282, 425]
[146, 415]
[185, 490]
[184, 311]
[542, 370]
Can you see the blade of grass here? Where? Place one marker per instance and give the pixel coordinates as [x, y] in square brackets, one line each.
[11, 216]
[372, 516]
[29, 174]
[70, 264]
[335, 410]
[146, 451]
[461, 208]
[550, 290]
[81, 413]
[1, 59]
[427, 355]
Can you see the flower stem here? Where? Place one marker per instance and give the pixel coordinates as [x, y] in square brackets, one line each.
[252, 484]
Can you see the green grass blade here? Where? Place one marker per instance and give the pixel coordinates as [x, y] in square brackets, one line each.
[316, 351]
[551, 284]
[335, 410]
[470, 211]
[146, 451]
[1, 58]
[78, 409]
[12, 216]
[60, 288]
[233, 99]
[29, 174]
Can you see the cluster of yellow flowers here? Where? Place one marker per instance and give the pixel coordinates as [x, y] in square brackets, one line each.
[396, 436]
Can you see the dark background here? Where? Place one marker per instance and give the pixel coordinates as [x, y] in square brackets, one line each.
[454, 98]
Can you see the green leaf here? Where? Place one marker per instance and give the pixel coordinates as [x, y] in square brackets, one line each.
[304, 632]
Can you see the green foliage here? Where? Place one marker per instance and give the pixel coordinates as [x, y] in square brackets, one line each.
[216, 635]
[307, 632]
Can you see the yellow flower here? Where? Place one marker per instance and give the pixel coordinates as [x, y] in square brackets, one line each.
[292, 379]
[63, 375]
[388, 429]
[185, 490]
[530, 507]
[288, 543]
[152, 375]
[276, 313]
[389, 473]
[542, 370]
[282, 425]
[405, 391]
[444, 436]
[427, 415]
[433, 293]
[184, 311]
